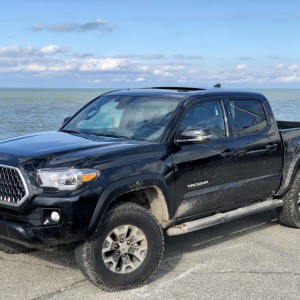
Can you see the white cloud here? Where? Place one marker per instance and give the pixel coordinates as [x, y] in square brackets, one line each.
[140, 79]
[102, 64]
[62, 67]
[242, 67]
[163, 74]
[52, 49]
[294, 68]
[35, 68]
[145, 56]
[18, 51]
[15, 51]
[10, 69]
[288, 79]
[280, 66]
[143, 68]
[168, 71]
[51, 61]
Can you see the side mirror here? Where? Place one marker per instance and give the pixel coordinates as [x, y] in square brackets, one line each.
[193, 135]
[66, 119]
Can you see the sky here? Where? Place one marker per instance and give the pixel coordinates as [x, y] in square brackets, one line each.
[117, 43]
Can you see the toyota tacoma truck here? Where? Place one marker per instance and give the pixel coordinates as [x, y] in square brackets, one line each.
[134, 165]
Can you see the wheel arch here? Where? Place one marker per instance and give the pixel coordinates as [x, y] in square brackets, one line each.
[289, 173]
[149, 190]
[291, 159]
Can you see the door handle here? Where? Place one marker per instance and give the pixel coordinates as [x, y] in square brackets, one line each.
[228, 153]
[272, 147]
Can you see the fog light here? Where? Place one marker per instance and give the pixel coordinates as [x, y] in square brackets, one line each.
[55, 217]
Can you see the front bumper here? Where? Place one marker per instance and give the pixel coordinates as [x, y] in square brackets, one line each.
[30, 229]
[15, 233]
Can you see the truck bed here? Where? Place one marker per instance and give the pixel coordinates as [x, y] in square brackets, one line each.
[287, 124]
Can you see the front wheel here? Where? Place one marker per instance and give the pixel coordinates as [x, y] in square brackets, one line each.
[289, 213]
[125, 251]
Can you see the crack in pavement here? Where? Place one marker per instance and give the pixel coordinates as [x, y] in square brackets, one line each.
[254, 272]
[59, 291]
[144, 291]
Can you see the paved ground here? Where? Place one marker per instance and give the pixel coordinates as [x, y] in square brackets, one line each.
[251, 258]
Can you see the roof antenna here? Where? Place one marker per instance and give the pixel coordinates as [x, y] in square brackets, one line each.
[218, 85]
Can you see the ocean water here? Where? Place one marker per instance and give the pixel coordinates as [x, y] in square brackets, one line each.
[24, 111]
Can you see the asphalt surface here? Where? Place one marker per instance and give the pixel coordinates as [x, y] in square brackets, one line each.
[250, 258]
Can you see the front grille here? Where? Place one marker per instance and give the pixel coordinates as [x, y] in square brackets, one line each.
[13, 189]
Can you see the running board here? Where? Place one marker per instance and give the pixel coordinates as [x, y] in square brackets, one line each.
[224, 217]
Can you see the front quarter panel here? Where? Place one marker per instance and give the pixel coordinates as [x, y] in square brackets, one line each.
[132, 169]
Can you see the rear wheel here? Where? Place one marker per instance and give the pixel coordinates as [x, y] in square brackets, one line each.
[289, 213]
[125, 251]
[13, 248]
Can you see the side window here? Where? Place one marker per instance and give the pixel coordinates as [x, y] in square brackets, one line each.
[208, 115]
[249, 116]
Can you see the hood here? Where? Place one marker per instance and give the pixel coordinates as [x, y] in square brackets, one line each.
[58, 147]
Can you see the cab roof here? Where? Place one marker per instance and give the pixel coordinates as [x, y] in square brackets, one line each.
[182, 92]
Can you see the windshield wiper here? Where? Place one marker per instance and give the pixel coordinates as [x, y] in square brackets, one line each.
[98, 134]
[69, 131]
[113, 135]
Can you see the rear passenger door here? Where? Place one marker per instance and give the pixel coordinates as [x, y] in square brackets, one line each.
[259, 155]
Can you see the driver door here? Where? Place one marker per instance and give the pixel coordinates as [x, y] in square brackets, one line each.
[204, 171]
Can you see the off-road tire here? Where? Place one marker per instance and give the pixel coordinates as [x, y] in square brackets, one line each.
[12, 248]
[89, 255]
[289, 213]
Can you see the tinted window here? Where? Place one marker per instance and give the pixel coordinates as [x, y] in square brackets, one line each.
[206, 115]
[248, 115]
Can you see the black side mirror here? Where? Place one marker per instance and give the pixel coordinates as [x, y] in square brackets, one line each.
[193, 135]
[66, 119]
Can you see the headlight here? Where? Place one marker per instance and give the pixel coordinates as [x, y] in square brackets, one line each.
[65, 179]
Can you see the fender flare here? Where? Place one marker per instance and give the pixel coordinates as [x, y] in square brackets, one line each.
[288, 179]
[124, 186]
[289, 172]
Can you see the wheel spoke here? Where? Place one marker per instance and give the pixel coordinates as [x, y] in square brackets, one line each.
[111, 262]
[121, 232]
[143, 247]
[138, 239]
[134, 231]
[125, 230]
[108, 259]
[138, 255]
[127, 267]
[107, 244]
[117, 233]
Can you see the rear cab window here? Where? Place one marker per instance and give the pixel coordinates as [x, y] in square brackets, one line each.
[249, 116]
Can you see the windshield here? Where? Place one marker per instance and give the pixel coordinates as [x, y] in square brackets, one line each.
[139, 118]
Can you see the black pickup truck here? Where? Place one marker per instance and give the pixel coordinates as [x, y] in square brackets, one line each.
[133, 165]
